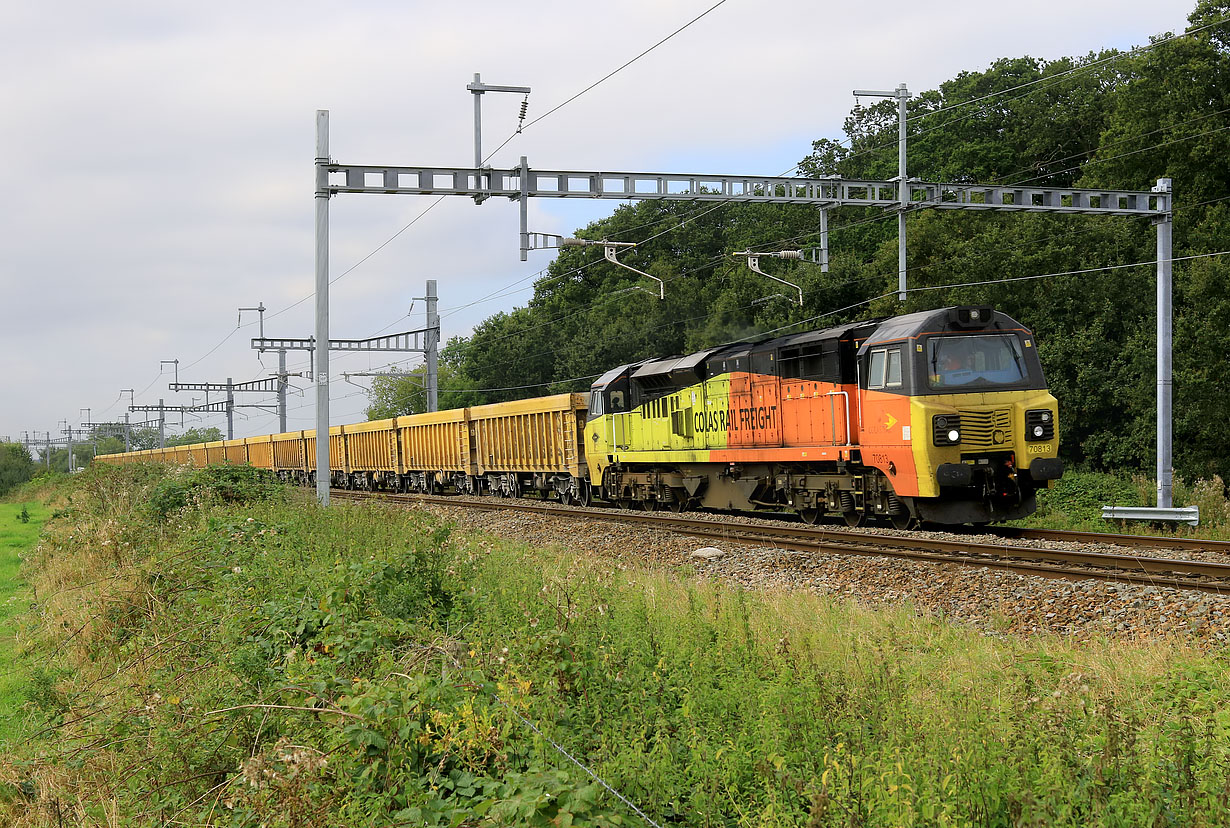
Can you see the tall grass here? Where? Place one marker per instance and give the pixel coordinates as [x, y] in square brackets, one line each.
[252, 659]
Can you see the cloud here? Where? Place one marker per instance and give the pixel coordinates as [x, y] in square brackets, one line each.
[160, 155]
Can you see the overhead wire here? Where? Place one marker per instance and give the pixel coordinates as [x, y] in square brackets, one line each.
[603, 79]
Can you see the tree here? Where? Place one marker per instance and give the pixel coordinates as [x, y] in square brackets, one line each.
[83, 453]
[193, 436]
[16, 466]
[111, 445]
[1102, 120]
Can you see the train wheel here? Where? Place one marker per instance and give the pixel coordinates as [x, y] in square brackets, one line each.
[678, 504]
[903, 521]
[810, 516]
[585, 495]
[565, 498]
[855, 519]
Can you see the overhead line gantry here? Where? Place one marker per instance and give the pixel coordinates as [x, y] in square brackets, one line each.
[900, 196]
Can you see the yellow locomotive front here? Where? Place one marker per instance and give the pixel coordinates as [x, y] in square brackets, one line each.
[985, 429]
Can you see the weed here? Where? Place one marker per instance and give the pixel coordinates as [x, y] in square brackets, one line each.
[253, 659]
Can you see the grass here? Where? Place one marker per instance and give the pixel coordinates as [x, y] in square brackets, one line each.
[250, 658]
[1075, 503]
[17, 539]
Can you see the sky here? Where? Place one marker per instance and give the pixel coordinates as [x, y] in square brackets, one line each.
[162, 159]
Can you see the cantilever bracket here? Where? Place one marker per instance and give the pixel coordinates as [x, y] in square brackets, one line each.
[611, 251]
[753, 261]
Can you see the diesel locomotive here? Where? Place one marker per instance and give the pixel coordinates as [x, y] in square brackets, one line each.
[940, 416]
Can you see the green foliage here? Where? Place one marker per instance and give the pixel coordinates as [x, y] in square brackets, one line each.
[406, 392]
[18, 537]
[1106, 119]
[16, 467]
[192, 436]
[220, 483]
[275, 663]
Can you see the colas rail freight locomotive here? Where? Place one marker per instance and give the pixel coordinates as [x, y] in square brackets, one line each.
[941, 416]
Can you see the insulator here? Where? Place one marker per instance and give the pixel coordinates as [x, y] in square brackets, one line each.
[789, 254]
[525, 104]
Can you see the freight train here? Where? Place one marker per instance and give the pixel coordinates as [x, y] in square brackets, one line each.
[940, 416]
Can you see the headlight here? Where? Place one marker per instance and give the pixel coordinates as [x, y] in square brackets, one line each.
[1039, 424]
[946, 429]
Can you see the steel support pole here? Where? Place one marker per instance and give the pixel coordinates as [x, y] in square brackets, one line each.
[1165, 458]
[230, 410]
[282, 390]
[162, 425]
[322, 307]
[824, 240]
[433, 339]
[903, 190]
[525, 208]
[478, 130]
[127, 434]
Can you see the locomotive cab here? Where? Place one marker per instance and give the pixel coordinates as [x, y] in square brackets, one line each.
[977, 425]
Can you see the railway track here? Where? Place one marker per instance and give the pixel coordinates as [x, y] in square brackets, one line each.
[1203, 576]
[1137, 541]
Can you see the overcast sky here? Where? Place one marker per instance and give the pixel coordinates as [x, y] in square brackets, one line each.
[160, 156]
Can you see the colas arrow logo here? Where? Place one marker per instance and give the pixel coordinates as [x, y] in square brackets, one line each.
[888, 421]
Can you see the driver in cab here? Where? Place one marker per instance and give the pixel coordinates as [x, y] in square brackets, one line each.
[952, 368]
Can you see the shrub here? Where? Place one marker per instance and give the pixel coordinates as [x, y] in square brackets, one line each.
[231, 484]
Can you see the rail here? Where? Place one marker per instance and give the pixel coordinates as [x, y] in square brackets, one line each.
[1204, 576]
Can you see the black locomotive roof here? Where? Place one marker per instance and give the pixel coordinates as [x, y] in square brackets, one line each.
[694, 366]
[954, 319]
[848, 331]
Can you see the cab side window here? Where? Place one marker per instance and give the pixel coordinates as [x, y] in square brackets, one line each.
[885, 368]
